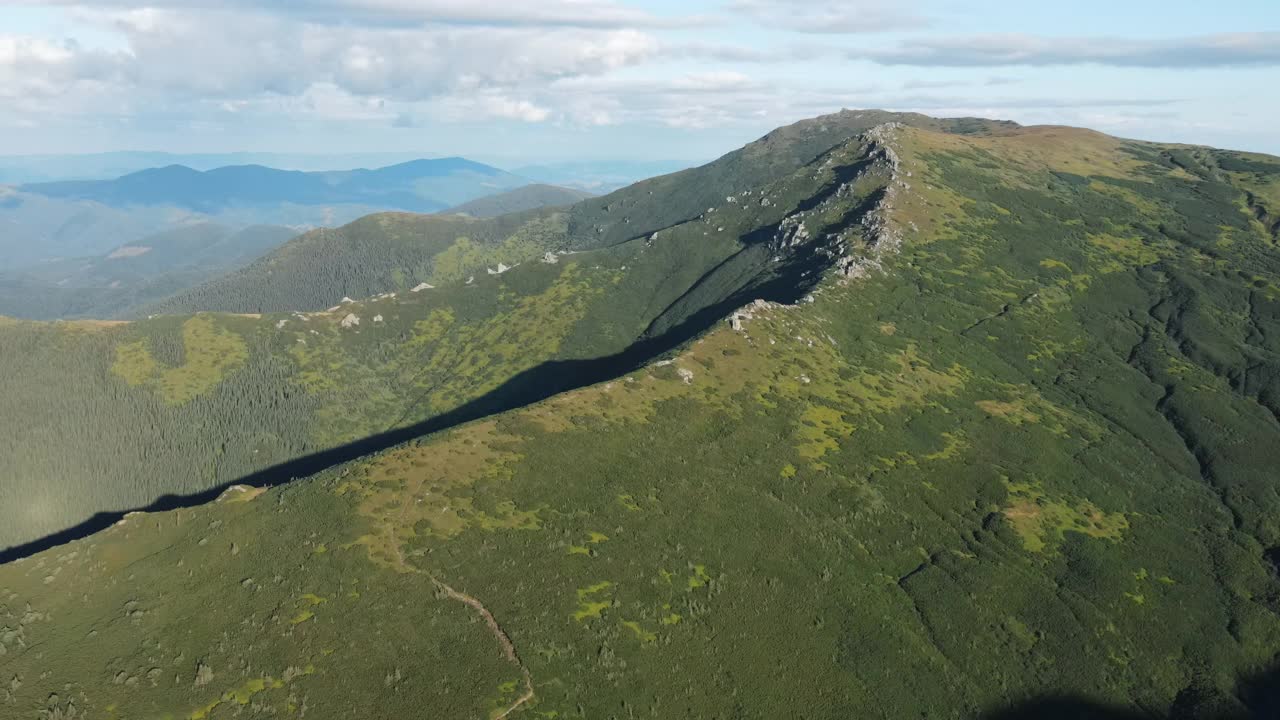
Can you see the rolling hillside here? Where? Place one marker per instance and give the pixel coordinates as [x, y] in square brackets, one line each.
[1003, 420]
[35, 229]
[53, 222]
[134, 274]
[418, 185]
[529, 197]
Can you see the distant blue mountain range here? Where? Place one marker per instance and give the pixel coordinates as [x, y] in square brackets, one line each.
[416, 186]
[22, 169]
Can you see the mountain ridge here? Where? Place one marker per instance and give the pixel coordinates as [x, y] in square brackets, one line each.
[209, 190]
[690, 281]
[529, 197]
[1018, 445]
[387, 261]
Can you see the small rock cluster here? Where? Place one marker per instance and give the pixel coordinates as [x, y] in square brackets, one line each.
[791, 233]
[748, 312]
[551, 258]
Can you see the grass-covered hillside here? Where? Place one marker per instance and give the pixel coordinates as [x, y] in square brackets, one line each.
[1030, 453]
[385, 252]
[126, 414]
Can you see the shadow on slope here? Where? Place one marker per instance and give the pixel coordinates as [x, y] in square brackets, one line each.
[1257, 697]
[792, 279]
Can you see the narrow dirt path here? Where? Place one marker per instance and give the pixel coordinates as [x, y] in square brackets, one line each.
[508, 648]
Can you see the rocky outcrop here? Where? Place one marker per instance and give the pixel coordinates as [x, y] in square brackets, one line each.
[738, 317]
[882, 236]
[791, 233]
[852, 228]
[856, 249]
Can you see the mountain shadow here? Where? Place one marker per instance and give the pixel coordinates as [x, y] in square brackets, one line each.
[788, 283]
[1256, 697]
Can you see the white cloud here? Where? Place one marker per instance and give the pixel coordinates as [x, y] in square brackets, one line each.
[946, 104]
[238, 66]
[832, 16]
[738, 54]
[400, 13]
[489, 106]
[716, 81]
[699, 99]
[929, 84]
[237, 56]
[40, 68]
[1204, 51]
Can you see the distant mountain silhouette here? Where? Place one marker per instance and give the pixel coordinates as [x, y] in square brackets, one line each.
[529, 197]
[416, 186]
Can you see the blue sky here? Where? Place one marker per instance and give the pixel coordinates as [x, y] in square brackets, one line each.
[553, 80]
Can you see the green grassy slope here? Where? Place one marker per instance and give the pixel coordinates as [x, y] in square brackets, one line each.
[126, 414]
[386, 252]
[1031, 456]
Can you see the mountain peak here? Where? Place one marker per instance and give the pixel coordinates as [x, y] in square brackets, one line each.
[430, 167]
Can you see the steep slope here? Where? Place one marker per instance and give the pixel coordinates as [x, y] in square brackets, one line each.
[397, 252]
[134, 274]
[529, 197]
[197, 401]
[387, 252]
[1027, 455]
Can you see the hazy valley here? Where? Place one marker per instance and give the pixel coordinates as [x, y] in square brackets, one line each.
[112, 248]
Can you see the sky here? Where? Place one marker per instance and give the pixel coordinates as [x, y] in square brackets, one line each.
[539, 81]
